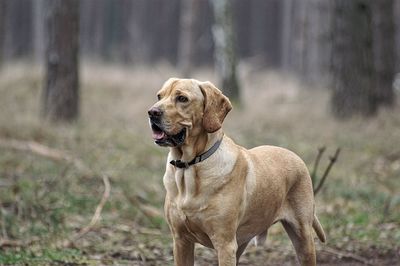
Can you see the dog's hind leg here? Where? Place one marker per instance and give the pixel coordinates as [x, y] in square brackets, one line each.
[260, 239]
[302, 239]
[240, 251]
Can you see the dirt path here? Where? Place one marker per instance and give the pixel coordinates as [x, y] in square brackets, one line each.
[280, 257]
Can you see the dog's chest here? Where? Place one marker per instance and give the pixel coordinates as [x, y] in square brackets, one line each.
[183, 188]
[187, 213]
[195, 231]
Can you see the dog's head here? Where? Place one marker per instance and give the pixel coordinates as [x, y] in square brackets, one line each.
[186, 108]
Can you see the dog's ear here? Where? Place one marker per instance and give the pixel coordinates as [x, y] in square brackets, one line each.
[216, 107]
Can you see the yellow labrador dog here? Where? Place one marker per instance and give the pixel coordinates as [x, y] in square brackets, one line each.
[220, 194]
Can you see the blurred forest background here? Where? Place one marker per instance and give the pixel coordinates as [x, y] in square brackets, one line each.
[81, 180]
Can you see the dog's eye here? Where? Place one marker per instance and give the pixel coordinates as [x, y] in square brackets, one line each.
[182, 99]
[158, 96]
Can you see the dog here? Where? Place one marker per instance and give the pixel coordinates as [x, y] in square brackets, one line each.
[220, 194]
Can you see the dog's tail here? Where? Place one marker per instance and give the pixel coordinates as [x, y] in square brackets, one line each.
[318, 229]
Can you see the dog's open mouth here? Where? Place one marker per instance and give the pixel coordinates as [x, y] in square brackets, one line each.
[163, 139]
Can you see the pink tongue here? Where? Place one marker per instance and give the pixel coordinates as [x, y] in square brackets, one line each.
[158, 135]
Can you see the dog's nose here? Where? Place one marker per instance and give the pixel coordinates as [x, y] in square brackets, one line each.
[155, 112]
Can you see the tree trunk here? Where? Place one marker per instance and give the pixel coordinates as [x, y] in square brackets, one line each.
[61, 92]
[126, 51]
[18, 29]
[299, 37]
[168, 23]
[138, 40]
[2, 29]
[243, 28]
[204, 45]
[258, 24]
[396, 11]
[224, 50]
[273, 32]
[384, 50]
[287, 21]
[38, 31]
[186, 37]
[352, 59]
[317, 51]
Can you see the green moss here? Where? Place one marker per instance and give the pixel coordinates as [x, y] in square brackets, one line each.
[43, 257]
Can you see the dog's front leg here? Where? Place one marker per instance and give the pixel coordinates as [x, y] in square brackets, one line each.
[183, 252]
[226, 251]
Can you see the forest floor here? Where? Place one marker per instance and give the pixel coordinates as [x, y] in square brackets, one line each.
[53, 177]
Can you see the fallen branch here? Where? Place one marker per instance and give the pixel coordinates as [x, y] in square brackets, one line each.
[42, 150]
[148, 210]
[6, 242]
[393, 156]
[97, 213]
[332, 159]
[11, 243]
[148, 231]
[342, 254]
[58, 155]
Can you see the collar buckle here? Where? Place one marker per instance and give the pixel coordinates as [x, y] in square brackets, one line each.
[180, 164]
[197, 159]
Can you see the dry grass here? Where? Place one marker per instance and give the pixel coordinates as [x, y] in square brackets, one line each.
[43, 202]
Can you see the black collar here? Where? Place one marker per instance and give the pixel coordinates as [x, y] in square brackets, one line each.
[197, 159]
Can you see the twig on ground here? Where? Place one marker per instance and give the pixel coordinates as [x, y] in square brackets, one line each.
[149, 231]
[148, 210]
[42, 150]
[393, 156]
[332, 159]
[343, 254]
[97, 213]
[58, 155]
[321, 151]
[11, 243]
[6, 242]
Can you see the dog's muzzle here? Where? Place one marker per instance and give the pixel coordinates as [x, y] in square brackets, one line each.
[160, 135]
[162, 138]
